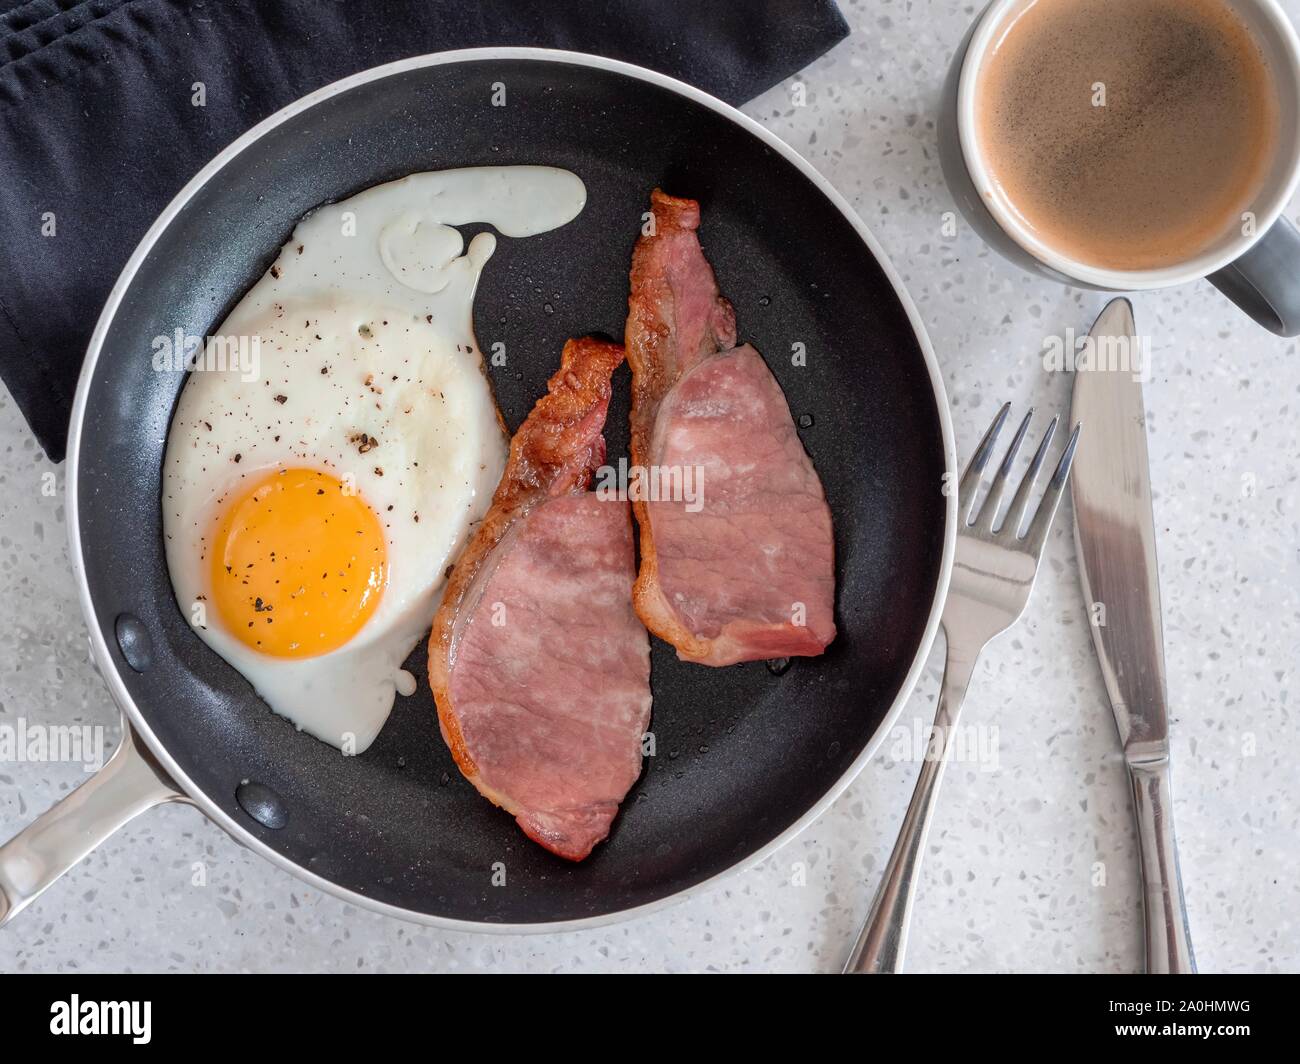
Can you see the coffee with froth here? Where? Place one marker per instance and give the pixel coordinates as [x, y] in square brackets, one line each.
[1127, 134]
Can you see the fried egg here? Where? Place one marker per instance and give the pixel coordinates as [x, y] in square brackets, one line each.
[337, 438]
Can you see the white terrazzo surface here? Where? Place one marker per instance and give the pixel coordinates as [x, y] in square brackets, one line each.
[1012, 870]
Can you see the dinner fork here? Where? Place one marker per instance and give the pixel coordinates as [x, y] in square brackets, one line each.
[992, 576]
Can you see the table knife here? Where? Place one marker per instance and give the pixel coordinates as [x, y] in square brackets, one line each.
[1115, 536]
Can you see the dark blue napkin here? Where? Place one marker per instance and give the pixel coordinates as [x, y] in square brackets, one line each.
[98, 131]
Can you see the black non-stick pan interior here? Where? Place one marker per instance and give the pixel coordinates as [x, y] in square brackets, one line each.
[741, 752]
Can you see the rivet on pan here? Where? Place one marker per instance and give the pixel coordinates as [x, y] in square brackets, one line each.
[805, 421]
[778, 666]
[134, 641]
[262, 804]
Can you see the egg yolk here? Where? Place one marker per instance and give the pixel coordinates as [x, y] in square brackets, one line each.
[298, 564]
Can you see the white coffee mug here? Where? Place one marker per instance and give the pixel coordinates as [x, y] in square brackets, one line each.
[1256, 266]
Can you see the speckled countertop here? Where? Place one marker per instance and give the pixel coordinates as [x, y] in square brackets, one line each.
[1030, 867]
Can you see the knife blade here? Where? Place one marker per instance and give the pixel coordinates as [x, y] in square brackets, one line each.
[1115, 537]
[1115, 533]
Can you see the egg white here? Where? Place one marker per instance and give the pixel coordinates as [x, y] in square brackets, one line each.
[367, 368]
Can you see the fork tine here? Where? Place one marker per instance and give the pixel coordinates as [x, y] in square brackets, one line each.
[1020, 503]
[993, 500]
[1042, 523]
[970, 480]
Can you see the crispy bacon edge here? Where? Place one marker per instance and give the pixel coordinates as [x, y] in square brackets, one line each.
[556, 452]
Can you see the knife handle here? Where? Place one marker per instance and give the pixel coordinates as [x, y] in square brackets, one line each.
[1169, 943]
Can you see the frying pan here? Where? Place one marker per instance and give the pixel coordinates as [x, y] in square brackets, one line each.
[745, 756]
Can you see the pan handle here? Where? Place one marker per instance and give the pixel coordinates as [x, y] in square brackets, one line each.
[128, 784]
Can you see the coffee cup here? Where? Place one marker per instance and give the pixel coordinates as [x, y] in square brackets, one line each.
[1253, 258]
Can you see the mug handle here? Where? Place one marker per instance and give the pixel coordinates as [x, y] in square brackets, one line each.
[130, 782]
[1265, 281]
